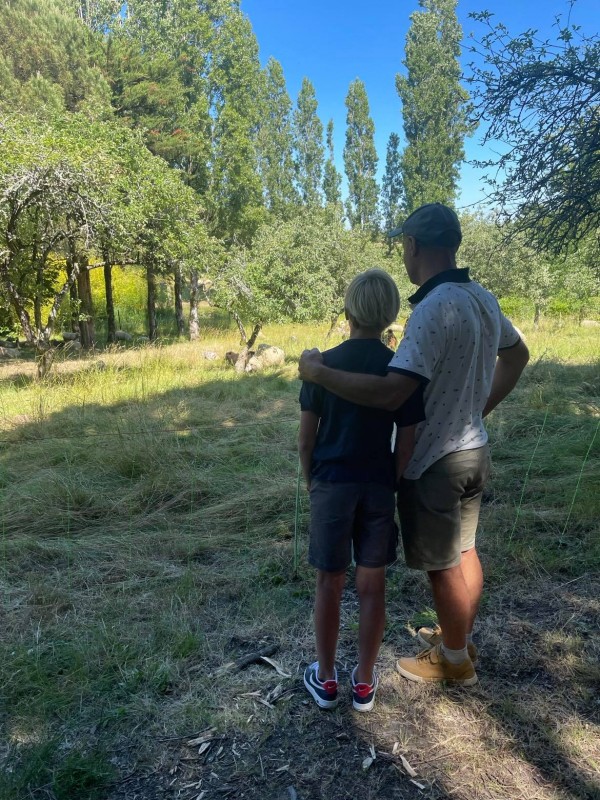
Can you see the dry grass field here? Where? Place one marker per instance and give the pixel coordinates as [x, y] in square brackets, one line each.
[151, 539]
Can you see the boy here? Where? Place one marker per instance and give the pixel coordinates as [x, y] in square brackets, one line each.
[349, 469]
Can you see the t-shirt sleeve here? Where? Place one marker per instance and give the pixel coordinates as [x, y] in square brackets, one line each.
[413, 410]
[420, 349]
[311, 398]
[509, 335]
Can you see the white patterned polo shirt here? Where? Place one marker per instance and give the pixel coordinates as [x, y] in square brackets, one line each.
[450, 343]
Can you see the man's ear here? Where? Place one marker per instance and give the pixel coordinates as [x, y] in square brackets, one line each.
[413, 246]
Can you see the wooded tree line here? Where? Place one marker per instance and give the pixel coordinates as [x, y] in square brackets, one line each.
[148, 135]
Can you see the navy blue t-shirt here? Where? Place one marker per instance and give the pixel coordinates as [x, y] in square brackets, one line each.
[354, 442]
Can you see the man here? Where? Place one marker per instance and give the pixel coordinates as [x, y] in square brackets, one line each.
[469, 357]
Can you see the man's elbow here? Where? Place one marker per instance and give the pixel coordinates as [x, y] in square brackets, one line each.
[398, 392]
[390, 402]
[521, 355]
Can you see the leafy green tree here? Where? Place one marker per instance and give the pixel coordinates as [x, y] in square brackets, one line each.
[158, 63]
[393, 201]
[235, 199]
[51, 180]
[308, 145]
[360, 161]
[541, 100]
[275, 143]
[434, 105]
[296, 270]
[332, 180]
[48, 59]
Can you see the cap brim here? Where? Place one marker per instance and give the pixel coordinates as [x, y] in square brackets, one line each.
[395, 232]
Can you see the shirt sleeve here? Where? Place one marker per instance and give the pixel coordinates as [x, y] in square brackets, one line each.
[311, 398]
[509, 335]
[420, 350]
[413, 410]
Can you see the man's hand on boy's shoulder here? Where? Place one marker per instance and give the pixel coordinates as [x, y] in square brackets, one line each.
[310, 361]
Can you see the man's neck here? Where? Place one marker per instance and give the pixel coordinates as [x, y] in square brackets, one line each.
[428, 271]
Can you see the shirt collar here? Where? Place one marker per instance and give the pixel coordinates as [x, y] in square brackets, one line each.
[447, 276]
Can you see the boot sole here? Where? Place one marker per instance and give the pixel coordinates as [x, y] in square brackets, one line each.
[419, 679]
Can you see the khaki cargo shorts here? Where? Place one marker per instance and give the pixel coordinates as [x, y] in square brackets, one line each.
[439, 511]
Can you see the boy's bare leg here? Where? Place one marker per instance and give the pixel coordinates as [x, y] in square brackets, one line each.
[370, 585]
[330, 586]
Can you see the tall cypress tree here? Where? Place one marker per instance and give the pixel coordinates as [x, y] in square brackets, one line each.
[308, 145]
[275, 143]
[393, 200]
[433, 105]
[360, 160]
[332, 180]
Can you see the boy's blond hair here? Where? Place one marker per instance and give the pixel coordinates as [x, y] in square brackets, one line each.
[372, 300]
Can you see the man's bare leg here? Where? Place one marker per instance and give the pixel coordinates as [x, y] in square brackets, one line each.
[473, 576]
[453, 605]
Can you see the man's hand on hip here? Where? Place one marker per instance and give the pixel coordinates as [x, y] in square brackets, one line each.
[309, 363]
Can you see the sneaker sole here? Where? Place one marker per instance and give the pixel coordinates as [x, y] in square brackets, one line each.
[319, 700]
[418, 679]
[363, 706]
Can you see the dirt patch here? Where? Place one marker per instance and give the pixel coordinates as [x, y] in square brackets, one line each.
[529, 729]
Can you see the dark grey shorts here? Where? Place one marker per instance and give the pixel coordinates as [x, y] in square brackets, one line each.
[439, 511]
[346, 515]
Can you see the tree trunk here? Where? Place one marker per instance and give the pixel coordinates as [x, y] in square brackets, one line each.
[111, 327]
[241, 329]
[179, 300]
[151, 281]
[194, 295]
[74, 307]
[86, 309]
[536, 315]
[244, 356]
[334, 319]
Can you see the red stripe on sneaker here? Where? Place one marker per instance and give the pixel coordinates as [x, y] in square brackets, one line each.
[329, 686]
[362, 689]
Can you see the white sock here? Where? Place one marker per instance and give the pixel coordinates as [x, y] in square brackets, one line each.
[470, 638]
[454, 656]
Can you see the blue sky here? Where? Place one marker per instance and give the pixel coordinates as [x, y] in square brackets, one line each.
[333, 42]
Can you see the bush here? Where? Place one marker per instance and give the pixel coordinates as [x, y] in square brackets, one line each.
[517, 307]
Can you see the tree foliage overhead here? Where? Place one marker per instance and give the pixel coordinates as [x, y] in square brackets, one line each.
[433, 105]
[541, 100]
